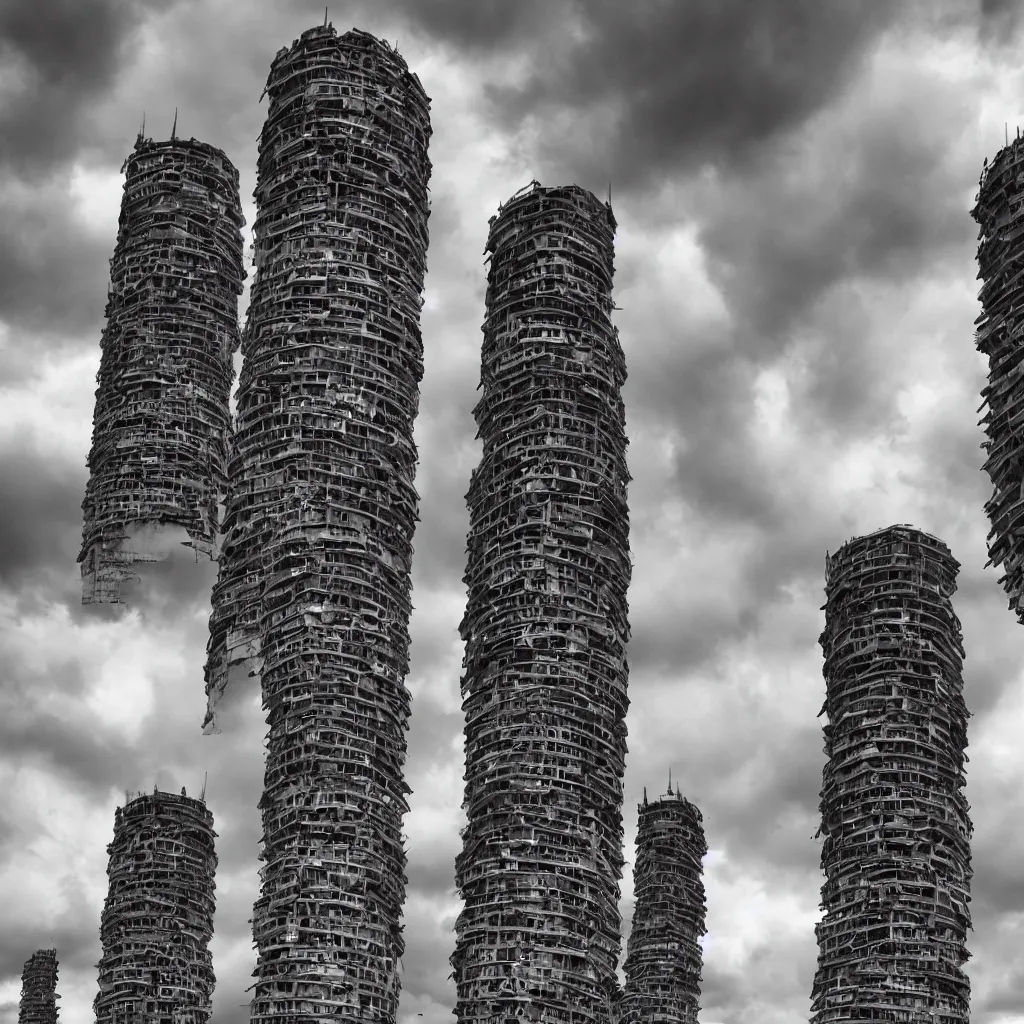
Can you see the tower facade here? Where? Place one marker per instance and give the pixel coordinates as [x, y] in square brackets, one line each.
[1000, 336]
[314, 589]
[39, 989]
[896, 853]
[663, 956]
[160, 430]
[158, 915]
[544, 688]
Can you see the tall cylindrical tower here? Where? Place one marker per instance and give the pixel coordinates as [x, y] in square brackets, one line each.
[159, 448]
[316, 572]
[158, 916]
[544, 690]
[663, 957]
[39, 989]
[896, 853]
[1000, 336]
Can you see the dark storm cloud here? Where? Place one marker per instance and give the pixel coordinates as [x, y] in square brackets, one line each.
[773, 971]
[479, 25]
[74, 937]
[40, 510]
[1000, 21]
[788, 257]
[80, 757]
[63, 55]
[53, 274]
[60, 59]
[675, 85]
[689, 643]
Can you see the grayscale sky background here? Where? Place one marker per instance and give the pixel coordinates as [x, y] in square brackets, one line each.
[795, 270]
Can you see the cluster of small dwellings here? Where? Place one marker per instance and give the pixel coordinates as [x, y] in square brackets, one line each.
[306, 498]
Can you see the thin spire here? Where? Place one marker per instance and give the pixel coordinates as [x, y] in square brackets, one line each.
[202, 796]
[645, 796]
[669, 782]
[174, 127]
[325, 17]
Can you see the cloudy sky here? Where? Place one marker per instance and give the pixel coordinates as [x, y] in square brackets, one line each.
[795, 270]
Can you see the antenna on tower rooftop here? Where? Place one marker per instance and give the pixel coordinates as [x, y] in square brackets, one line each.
[202, 796]
[670, 782]
[325, 17]
[174, 127]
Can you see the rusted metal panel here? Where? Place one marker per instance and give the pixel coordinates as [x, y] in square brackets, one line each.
[663, 956]
[314, 589]
[1000, 336]
[896, 853]
[39, 989]
[158, 916]
[544, 689]
[160, 431]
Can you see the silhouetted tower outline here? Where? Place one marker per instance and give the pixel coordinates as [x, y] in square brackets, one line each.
[314, 592]
[39, 989]
[546, 625]
[161, 422]
[663, 955]
[896, 854]
[158, 915]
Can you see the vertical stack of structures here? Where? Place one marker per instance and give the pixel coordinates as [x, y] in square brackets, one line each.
[896, 853]
[161, 424]
[315, 575]
[546, 625]
[663, 959]
[158, 916]
[1000, 216]
[39, 988]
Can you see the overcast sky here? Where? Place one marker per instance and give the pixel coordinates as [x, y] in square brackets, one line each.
[795, 269]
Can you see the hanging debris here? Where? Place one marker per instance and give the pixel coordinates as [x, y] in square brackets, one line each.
[315, 577]
[1000, 336]
[896, 853]
[158, 916]
[664, 958]
[39, 988]
[159, 447]
[544, 690]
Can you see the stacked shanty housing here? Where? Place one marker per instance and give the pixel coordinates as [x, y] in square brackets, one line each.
[39, 989]
[1000, 336]
[160, 431]
[314, 588]
[544, 689]
[663, 956]
[158, 915]
[896, 852]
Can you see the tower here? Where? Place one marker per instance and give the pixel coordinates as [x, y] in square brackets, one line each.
[314, 591]
[39, 988]
[544, 689]
[896, 853]
[158, 915]
[663, 958]
[1000, 216]
[160, 430]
